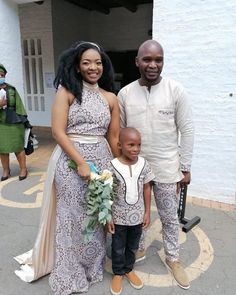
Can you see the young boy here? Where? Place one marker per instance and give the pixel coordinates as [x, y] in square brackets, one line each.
[130, 209]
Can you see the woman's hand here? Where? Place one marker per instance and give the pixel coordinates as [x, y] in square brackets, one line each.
[84, 170]
[3, 102]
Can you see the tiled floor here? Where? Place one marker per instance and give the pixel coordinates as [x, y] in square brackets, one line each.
[41, 155]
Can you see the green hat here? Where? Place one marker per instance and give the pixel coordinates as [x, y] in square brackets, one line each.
[3, 69]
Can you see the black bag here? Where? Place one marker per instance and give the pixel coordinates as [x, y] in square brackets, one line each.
[12, 117]
[30, 146]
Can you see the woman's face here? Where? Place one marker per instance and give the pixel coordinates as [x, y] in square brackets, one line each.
[90, 66]
[2, 78]
[2, 74]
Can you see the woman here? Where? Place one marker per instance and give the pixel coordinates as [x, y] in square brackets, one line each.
[85, 113]
[12, 130]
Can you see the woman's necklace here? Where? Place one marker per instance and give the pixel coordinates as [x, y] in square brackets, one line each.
[90, 86]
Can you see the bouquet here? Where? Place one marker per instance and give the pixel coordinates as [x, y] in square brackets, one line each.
[99, 199]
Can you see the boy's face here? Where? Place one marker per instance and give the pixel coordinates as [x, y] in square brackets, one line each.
[130, 146]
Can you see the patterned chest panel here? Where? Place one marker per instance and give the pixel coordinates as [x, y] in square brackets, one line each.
[123, 212]
[92, 117]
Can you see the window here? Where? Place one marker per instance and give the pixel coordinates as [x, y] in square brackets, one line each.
[33, 66]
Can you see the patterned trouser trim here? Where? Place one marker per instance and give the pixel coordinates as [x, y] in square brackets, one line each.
[167, 204]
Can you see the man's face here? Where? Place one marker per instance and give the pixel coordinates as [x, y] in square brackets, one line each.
[150, 62]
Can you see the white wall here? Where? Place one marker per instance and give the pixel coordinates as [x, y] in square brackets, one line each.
[199, 38]
[10, 45]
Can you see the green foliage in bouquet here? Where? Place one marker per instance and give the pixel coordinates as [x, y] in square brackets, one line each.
[99, 199]
[72, 164]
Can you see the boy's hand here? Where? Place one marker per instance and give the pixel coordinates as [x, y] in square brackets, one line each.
[111, 228]
[146, 220]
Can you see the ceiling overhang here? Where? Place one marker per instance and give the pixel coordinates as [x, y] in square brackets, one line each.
[27, 1]
[22, 1]
[104, 6]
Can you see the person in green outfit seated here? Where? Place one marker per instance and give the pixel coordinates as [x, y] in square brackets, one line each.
[13, 119]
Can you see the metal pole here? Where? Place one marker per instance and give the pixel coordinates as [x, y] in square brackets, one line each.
[188, 223]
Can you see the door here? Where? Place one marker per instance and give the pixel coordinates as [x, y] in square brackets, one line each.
[39, 91]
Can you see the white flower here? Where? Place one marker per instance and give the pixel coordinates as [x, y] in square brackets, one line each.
[94, 176]
[106, 174]
[109, 182]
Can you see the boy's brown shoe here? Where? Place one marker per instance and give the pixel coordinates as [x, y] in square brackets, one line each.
[116, 285]
[140, 255]
[178, 273]
[134, 280]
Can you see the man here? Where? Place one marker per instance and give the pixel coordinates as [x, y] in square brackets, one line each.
[159, 109]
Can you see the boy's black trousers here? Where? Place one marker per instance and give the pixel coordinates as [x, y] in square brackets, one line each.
[125, 243]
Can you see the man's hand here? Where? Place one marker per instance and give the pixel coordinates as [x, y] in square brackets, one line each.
[185, 181]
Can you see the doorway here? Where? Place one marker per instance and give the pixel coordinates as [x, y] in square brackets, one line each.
[124, 67]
